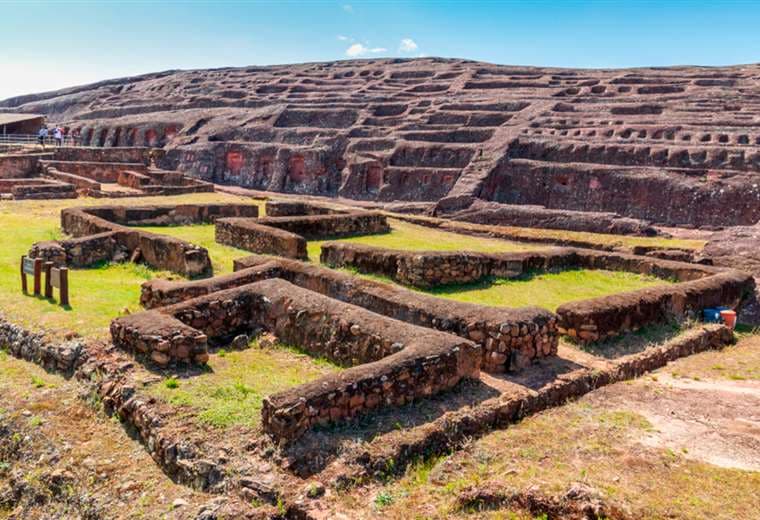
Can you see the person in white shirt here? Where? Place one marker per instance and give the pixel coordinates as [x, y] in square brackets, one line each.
[58, 136]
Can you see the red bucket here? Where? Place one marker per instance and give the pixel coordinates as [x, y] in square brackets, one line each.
[729, 318]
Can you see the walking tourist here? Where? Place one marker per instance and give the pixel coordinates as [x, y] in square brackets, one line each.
[42, 135]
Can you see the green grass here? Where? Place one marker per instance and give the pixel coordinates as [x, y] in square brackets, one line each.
[97, 295]
[412, 237]
[548, 290]
[231, 392]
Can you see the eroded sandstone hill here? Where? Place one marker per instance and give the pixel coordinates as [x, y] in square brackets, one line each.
[678, 145]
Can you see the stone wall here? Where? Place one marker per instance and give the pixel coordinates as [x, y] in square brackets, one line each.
[287, 236]
[510, 338]
[133, 179]
[171, 215]
[527, 215]
[78, 252]
[158, 251]
[589, 320]
[97, 171]
[82, 183]
[37, 188]
[160, 337]
[455, 430]
[160, 292]
[291, 208]
[599, 318]
[249, 235]
[318, 227]
[8, 185]
[432, 268]
[101, 232]
[14, 166]
[109, 154]
[394, 362]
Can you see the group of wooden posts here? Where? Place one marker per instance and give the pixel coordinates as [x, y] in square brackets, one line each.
[57, 277]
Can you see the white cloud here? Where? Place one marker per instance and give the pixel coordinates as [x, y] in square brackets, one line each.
[407, 45]
[344, 38]
[348, 8]
[357, 49]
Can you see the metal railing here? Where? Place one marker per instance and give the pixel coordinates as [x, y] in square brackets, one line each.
[34, 139]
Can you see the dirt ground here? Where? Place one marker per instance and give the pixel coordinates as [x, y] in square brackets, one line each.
[682, 442]
[61, 457]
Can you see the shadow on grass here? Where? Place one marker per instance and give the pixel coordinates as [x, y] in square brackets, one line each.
[487, 283]
[632, 342]
[319, 446]
[541, 373]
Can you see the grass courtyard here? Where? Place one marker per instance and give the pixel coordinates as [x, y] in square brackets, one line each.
[412, 237]
[230, 392]
[99, 294]
[548, 290]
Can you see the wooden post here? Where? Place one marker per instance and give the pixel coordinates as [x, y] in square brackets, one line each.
[48, 284]
[64, 289]
[37, 276]
[24, 287]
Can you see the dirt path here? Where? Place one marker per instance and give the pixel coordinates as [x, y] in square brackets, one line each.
[706, 407]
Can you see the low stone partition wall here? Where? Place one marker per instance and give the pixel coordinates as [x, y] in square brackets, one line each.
[132, 179]
[162, 338]
[37, 188]
[247, 234]
[158, 251]
[175, 183]
[699, 286]
[509, 338]
[317, 227]
[52, 190]
[454, 430]
[166, 190]
[111, 154]
[102, 233]
[81, 183]
[393, 362]
[290, 208]
[600, 318]
[8, 185]
[432, 268]
[21, 165]
[78, 252]
[165, 215]
[287, 236]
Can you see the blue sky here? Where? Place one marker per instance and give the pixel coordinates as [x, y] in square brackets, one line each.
[48, 45]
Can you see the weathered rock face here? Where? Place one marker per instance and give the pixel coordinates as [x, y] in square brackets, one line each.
[673, 145]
